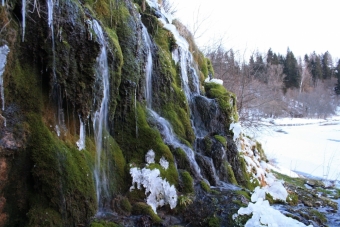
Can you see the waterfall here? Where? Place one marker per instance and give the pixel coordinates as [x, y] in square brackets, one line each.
[170, 138]
[4, 50]
[50, 6]
[162, 124]
[81, 142]
[100, 124]
[23, 13]
[3, 2]
[148, 68]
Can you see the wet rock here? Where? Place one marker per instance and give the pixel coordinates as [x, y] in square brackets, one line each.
[207, 169]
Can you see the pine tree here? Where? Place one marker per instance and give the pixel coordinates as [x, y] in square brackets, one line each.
[292, 72]
[326, 66]
[316, 68]
[337, 74]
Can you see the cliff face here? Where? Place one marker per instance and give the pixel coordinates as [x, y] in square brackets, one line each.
[89, 88]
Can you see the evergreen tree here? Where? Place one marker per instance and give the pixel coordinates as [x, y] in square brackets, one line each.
[326, 66]
[292, 72]
[316, 68]
[337, 74]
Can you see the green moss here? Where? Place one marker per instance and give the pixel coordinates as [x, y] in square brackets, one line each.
[294, 181]
[231, 175]
[181, 159]
[221, 139]
[226, 101]
[140, 208]
[261, 151]
[187, 181]
[205, 186]
[318, 215]
[214, 221]
[62, 175]
[292, 199]
[103, 223]
[207, 145]
[125, 204]
[170, 174]
[246, 194]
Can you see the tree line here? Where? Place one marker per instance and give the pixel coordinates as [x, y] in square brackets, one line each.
[275, 85]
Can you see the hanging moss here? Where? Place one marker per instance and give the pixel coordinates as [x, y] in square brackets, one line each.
[221, 139]
[231, 176]
[144, 209]
[205, 186]
[187, 182]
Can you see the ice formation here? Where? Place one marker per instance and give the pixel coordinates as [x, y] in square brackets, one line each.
[164, 163]
[159, 191]
[81, 142]
[150, 157]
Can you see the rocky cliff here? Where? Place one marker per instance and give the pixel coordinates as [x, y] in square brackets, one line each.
[102, 95]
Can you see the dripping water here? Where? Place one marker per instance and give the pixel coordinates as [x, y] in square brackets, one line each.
[23, 12]
[100, 124]
[4, 50]
[148, 68]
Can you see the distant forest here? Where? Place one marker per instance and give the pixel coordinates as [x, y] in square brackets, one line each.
[274, 85]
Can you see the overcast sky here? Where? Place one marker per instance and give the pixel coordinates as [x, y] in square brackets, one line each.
[302, 25]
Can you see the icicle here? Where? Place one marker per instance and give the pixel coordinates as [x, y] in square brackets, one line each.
[100, 118]
[81, 142]
[4, 50]
[23, 12]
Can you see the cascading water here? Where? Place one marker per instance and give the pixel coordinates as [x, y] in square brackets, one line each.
[3, 2]
[23, 12]
[190, 86]
[169, 138]
[100, 124]
[148, 68]
[162, 124]
[4, 50]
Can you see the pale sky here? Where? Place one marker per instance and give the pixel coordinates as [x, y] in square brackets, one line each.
[302, 25]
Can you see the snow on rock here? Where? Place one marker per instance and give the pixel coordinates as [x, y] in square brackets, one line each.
[150, 157]
[216, 81]
[265, 215]
[237, 129]
[262, 213]
[159, 191]
[164, 163]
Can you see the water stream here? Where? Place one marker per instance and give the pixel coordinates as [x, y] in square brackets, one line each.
[100, 124]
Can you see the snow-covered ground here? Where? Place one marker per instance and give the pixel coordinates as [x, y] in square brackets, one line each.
[308, 146]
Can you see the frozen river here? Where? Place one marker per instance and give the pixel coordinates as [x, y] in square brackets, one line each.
[306, 146]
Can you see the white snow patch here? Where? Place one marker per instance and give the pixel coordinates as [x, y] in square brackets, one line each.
[216, 81]
[265, 215]
[164, 163]
[150, 157]
[237, 129]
